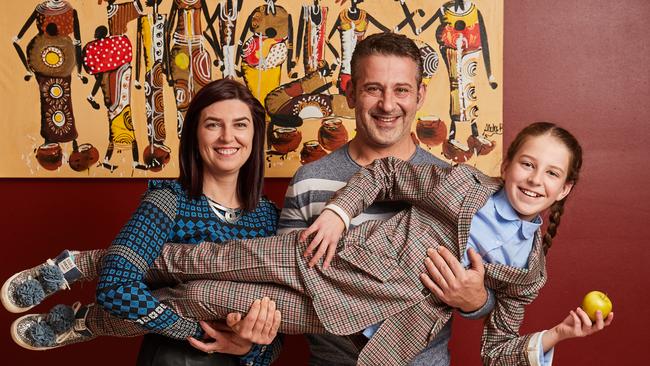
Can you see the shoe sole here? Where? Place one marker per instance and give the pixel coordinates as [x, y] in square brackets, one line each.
[4, 296]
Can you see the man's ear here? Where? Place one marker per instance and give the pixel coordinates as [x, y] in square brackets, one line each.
[422, 93]
[350, 95]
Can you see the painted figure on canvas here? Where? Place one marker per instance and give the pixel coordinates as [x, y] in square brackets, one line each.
[462, 37]
[51, 56]
[352, 24]
[189, 67]
[227, 12]
[108, 57]
[311, 38]
[269, 46]
[150, 49]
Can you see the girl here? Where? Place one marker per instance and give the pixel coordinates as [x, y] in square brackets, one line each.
[372, 284]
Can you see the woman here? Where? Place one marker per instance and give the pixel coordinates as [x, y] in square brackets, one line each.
[217, 197]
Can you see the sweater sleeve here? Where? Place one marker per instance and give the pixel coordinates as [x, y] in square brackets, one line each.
[388, 179]
[121, 290]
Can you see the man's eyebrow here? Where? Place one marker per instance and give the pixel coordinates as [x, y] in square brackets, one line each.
[374, 83]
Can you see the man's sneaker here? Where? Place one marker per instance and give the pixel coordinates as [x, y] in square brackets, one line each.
[30, 287]
[63, 325]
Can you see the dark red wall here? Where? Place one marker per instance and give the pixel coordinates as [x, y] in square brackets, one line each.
[583, 64]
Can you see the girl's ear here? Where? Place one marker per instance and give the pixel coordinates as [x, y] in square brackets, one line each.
[504, 166]
[565, 191]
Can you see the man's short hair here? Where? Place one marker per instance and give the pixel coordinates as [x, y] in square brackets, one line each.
[387, 44]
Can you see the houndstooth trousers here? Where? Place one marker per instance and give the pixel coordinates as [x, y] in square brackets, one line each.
[200, 285]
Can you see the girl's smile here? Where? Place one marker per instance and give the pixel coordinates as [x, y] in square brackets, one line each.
[536, 176]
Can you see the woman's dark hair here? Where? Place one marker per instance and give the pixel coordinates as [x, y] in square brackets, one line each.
[573, 173]
[251, 174]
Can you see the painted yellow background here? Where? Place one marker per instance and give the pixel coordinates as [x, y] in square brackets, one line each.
[19, 100]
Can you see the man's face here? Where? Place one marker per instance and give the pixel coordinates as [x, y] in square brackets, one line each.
[386, 97]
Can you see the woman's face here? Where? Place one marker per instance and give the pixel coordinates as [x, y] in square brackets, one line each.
[225, 136]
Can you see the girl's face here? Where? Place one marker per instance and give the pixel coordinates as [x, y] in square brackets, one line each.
[536, 177]
[225, 136]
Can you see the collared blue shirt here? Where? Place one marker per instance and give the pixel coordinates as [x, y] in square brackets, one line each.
[499, 235]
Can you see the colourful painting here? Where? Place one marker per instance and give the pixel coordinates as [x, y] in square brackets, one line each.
[100, 88]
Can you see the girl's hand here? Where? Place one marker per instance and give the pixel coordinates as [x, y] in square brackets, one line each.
[261, 324]
[328, 228]
[237, 336]
[578, 324]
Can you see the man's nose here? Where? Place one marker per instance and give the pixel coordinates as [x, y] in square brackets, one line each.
[387, 101]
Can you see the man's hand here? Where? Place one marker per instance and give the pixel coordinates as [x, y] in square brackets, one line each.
[237, 336]
[448, 280]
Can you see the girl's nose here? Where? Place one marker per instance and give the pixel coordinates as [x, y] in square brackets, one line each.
[535, 177]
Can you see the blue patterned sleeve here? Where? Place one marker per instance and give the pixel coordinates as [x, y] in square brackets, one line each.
[121, 290]
[262, 355]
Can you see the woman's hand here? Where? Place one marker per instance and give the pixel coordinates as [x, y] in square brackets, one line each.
[328, 228]
[237, 336]
[576, 324]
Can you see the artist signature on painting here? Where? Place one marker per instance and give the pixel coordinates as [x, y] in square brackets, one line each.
[492, 129]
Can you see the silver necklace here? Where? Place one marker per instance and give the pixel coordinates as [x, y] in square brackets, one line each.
[229, 215]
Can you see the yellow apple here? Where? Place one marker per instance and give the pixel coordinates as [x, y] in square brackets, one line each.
[594, 301]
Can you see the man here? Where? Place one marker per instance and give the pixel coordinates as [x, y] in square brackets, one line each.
[386, 91]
